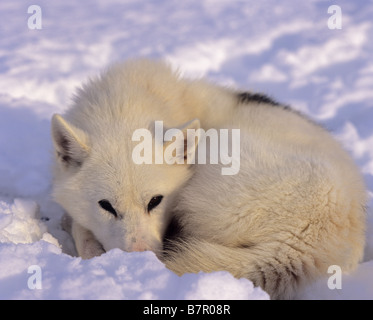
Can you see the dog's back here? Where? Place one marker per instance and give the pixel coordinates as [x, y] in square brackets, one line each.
[295, 207]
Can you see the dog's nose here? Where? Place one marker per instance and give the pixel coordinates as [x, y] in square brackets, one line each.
[138, 245]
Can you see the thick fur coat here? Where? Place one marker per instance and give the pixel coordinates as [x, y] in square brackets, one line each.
[295, 207]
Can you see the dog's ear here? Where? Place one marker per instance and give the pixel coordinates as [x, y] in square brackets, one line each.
[70, 143]
[182, 149]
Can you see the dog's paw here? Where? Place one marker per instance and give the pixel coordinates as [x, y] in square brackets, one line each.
[91, 248]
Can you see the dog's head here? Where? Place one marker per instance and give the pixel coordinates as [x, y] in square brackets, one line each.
[106, 188]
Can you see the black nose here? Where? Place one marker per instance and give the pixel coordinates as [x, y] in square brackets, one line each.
[174, 233]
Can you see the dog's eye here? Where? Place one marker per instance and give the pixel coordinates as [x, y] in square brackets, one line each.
[155, 201]
[106, 205]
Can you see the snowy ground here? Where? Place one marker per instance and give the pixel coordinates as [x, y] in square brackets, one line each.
[282, 48]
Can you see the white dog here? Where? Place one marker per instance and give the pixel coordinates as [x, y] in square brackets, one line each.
[109, 197]
[295, 207]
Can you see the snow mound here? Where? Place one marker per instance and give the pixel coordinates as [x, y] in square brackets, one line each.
[34, 267]
[18, 223]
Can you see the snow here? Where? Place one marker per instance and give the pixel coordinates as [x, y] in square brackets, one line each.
[115, 275]
[26, 243]
[282, 48]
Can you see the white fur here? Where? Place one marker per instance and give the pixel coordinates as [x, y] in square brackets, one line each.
[295, 207]
[93, 158]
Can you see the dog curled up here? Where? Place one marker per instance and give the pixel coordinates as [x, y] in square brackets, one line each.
[295, 207]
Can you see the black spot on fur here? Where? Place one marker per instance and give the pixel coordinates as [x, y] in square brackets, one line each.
[65, 154]
[64, 144]
[245, 245]
[65, 150]
[68, 161]
[174, 233]
[247, 97]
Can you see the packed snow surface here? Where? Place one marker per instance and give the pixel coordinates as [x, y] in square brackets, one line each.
[282, 48]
